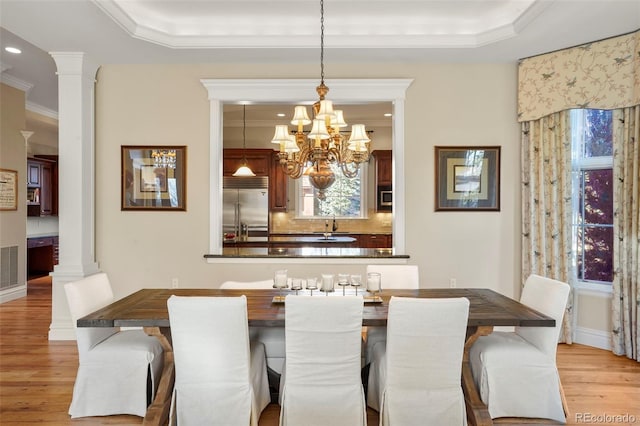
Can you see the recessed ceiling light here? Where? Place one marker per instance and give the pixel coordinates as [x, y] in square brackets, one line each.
[388, 114]
[12, 49]
[280, 114]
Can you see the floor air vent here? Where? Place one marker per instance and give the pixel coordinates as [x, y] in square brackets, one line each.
[8, 267]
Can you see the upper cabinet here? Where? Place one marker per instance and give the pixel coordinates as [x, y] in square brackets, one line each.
[383, 167]
[42, 186]
[384, 180]
[278, 186]
[263, 162]
[258, 160]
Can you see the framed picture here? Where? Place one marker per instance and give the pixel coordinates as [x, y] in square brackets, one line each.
[153, 177]
[467, 178]
[8, 189]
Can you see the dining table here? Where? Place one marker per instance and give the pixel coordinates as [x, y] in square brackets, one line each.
[147, 308]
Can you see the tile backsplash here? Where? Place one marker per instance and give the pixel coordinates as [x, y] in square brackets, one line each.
[287, 223]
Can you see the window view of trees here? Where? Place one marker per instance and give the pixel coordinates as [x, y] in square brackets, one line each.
[593, 193]
[343, 198]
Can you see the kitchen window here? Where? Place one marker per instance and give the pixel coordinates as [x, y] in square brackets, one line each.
[592, 158]
[346, 198]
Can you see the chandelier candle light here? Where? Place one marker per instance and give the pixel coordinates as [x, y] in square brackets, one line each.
[313, 153]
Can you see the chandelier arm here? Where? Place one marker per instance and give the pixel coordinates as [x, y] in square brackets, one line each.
[349, 173]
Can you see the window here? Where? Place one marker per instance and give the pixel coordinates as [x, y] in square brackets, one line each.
[592, 158]
[344, 199]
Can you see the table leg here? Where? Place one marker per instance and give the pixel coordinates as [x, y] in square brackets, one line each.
[477, 411]
[158, 411]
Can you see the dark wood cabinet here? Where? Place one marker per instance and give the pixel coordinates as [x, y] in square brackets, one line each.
[383, 167]
[33, 174]
[263, 162]
[258, 160]
[46, 190]
[42, 186]
[42, 255]
[278, 186]
[374, 241]
[384, 178]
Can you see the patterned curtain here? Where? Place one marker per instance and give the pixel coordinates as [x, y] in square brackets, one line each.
[600, 75]
[626, 233]
[546, 203]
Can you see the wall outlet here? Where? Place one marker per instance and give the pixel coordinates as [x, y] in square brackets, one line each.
[452, 283]
[174, 283]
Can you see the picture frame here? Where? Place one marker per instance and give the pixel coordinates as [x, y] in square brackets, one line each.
[467, 178]
[153, 177]
[8, 189]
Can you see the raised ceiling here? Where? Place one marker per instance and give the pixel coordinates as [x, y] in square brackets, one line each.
[261, 31]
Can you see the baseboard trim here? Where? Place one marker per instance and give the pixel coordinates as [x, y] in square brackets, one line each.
[62, 333]
[592, 337]
[13, 293]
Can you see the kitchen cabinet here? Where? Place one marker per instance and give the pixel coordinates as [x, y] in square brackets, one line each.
[278, 186]
[42, 186]
[42, 255]
[384, 178]
[258, 160]
[383, 167]
[33, 174]
[375, 241]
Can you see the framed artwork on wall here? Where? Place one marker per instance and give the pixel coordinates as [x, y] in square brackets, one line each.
[153, 177]
[8, 189]
[467, 178]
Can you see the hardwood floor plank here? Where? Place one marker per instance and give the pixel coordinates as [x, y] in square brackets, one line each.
[37, 376]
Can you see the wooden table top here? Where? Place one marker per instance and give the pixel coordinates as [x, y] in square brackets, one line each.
[148, 308]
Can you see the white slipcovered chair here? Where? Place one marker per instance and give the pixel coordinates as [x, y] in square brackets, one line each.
[221, 378]
[415, 374]
[271, 337]
[321, 383]
[516, 372]
[391, 277]
[118, 371]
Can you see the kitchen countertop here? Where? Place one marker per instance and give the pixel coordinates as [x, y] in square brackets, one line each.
[43, 235]
[305, 252]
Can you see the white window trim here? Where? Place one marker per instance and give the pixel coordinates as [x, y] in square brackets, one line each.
[580, 163]
[222, 91]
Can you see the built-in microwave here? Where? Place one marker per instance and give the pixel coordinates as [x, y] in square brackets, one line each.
[385, 198]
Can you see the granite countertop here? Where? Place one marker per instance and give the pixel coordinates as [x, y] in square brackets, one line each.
[43, 235]
[305, 252]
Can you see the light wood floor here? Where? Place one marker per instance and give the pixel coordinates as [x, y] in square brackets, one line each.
[36, 376]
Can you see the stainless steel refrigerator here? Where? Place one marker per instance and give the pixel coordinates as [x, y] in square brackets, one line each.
[245, 207]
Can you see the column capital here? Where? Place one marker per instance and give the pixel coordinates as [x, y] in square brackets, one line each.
[74, 63]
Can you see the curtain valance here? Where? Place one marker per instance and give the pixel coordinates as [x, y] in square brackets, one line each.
[602, 75]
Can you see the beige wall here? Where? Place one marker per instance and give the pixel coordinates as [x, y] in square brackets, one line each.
[13, 156]
[462, 104]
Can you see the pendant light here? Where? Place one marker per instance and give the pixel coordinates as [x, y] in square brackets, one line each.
[244, 170]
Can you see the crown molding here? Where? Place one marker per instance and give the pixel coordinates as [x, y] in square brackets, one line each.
[16, 82]
[39, 109]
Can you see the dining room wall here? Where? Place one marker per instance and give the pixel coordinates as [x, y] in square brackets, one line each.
[458, 104]
[447, 104]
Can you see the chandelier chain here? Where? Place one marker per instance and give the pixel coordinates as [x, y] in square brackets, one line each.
[322, 42]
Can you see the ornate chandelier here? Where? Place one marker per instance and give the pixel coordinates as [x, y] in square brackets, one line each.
[313, 153]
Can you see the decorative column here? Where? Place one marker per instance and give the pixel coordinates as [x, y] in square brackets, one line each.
[76, 206]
